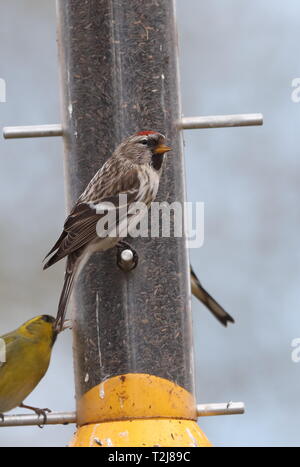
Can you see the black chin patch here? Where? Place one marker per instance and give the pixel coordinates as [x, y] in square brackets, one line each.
[157, 160]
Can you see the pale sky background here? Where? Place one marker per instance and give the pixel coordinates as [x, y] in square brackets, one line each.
[235, 57]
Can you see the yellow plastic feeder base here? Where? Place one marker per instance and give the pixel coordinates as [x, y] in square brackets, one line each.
[141, 433]
[138, 410]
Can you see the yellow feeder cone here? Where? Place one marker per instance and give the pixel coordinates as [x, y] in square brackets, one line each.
[138, 410]
[141, 433]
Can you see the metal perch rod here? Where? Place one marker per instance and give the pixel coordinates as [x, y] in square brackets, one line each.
[186, 123]
[230, 408]
[33, 131]
[54, 418]
[64, 418]
[220, 121]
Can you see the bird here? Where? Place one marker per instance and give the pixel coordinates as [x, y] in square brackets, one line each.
[25, 357]
[199, 292]
[133, 171]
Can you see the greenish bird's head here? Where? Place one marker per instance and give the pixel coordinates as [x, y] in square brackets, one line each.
[41, 327]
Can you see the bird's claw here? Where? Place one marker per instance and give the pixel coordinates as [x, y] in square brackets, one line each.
[39, 412]
[43, 413]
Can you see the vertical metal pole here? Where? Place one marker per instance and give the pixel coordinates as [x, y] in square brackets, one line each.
[132, 331]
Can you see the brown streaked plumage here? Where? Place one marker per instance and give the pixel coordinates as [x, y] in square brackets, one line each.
[133, 170]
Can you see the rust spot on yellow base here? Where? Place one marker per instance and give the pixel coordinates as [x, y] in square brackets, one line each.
[141, 433]
[133, 396]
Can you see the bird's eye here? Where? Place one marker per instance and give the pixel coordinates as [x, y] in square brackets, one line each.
[48, 319]
[144, 141]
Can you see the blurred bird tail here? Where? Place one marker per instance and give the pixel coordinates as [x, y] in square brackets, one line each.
[199, 292]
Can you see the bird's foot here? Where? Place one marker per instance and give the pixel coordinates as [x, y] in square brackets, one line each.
[39, 412]
[1, 417]
[127, 257]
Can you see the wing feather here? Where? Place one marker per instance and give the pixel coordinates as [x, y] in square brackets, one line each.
[80, 226]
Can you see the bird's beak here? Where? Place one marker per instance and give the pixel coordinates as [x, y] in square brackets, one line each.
[161, 149]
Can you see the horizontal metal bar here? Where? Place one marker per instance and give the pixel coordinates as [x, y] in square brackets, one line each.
[63, 418]
[53, 418]
[186, 123]
[220, 121]
[230, 408]
[33, 131]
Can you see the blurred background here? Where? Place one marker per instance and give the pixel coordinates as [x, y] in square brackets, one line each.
[235, 57]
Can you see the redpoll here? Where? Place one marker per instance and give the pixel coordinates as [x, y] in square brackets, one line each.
[133, 171]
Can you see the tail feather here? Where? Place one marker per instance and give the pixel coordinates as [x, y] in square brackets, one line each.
[199, 292]
[70, 274]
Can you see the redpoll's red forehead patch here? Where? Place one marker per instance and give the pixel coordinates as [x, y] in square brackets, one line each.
[145, 133]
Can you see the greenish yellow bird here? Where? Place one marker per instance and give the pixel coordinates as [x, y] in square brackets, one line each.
[24, 359]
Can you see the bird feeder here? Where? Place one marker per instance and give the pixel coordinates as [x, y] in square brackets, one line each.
[132, 329]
